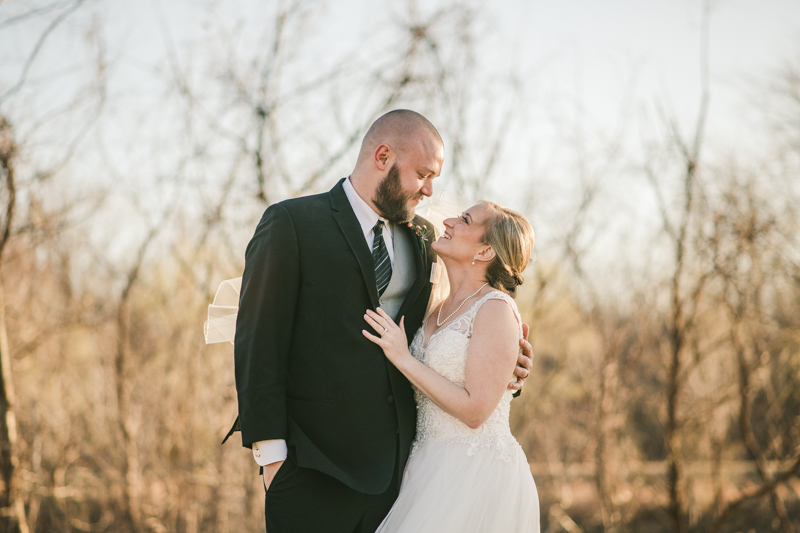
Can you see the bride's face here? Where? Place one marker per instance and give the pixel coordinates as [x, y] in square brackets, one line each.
[463, 235]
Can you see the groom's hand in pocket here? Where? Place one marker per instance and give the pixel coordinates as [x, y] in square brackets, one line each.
[524, 361]
[269, 473]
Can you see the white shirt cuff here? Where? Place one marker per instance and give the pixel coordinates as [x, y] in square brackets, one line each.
[266, 452]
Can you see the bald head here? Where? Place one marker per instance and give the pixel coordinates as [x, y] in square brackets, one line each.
[398, 129]
[400, 156]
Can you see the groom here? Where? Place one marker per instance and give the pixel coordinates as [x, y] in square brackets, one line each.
[329, 419]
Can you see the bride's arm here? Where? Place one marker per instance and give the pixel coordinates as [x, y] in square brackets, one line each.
[491, 358]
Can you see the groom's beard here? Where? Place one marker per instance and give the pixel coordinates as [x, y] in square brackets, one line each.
[391, 201]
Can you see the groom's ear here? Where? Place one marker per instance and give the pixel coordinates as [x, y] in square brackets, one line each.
[383, 155]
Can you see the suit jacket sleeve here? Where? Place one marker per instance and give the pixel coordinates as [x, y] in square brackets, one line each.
[264, 326]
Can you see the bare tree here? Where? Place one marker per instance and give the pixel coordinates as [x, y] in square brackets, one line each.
[744, 240]
[13, 519]
[684, 292]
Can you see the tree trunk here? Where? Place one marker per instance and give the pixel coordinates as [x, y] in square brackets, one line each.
[130, 464]
[604, 470]
[12, 520]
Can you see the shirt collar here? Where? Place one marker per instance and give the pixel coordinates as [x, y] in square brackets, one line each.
[367, 217]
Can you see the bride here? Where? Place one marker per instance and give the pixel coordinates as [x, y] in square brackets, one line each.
[466, 472]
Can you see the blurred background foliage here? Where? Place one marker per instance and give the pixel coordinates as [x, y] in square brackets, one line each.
[664, 305]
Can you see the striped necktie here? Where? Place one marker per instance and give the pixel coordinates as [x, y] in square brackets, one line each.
[383, 267]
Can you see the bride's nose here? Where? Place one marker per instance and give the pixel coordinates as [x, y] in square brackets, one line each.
[449, 222]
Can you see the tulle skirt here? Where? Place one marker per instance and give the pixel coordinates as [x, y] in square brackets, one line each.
[445, 489]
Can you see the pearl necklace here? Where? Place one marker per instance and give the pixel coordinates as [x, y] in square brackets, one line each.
[439, 314]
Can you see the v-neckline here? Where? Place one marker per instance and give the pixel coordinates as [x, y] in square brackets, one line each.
[445, 326]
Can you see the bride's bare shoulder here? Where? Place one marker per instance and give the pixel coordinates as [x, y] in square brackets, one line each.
[497, 315]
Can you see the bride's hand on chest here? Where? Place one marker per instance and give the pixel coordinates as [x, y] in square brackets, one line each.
[391, 336]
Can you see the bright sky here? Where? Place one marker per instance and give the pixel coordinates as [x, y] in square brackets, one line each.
[593, 48]
[591, 51]
[588, 48]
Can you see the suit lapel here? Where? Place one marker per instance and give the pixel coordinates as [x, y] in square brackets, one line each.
[348, 223]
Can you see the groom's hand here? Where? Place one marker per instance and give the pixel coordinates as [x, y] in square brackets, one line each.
[269, 473]
[524, 361]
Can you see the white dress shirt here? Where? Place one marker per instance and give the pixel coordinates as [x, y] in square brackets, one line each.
[270, 451]
[367, 217]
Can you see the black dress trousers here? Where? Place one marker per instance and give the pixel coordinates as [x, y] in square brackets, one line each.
[308, 501]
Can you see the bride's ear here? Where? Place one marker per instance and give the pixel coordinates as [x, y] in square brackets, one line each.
[486, 253]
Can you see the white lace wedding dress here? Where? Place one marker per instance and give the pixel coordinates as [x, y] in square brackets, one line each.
[459, 479]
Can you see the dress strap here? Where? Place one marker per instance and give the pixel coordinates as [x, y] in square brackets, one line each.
[494, 295]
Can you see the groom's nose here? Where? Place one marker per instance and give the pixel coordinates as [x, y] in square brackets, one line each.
[427, 188]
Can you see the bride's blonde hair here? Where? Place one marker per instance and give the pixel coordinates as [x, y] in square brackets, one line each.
[511, 237]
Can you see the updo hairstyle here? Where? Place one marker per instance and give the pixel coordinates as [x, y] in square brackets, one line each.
[511, 237]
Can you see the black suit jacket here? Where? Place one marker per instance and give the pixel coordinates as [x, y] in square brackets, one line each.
[304, 371]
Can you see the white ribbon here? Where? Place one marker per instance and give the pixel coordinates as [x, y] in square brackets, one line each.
[221, 323]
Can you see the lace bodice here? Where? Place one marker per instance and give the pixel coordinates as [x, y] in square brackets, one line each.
[446, 353]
